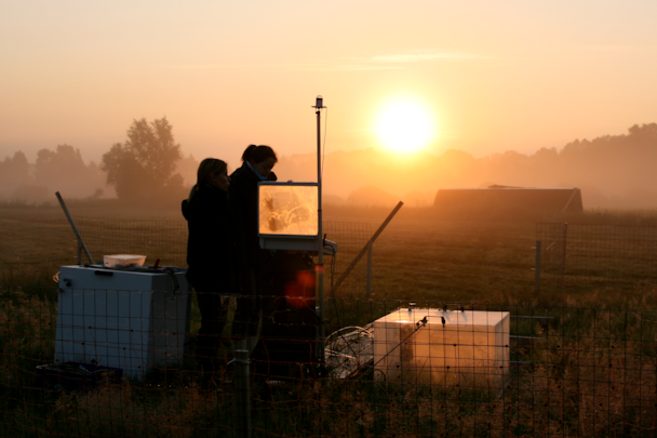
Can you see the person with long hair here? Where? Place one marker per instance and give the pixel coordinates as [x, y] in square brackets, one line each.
[257, 164]
[211, 257]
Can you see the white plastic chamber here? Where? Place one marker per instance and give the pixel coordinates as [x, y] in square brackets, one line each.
[129, 319]
[468, 349]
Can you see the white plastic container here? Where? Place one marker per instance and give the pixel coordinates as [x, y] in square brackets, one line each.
[469, 350]
[125, 319]
[123, 260]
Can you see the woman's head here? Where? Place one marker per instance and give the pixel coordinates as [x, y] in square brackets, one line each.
[214, 172]
[262, 158]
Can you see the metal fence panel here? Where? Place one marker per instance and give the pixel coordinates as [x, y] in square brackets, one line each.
[47, 244]
[570, 372]
[580, 254]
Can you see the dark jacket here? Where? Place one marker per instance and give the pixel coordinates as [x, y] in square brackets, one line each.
[211, 250]
[243, 201]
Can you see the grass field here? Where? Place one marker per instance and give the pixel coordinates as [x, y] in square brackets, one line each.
[415, 257]
[418, 256]
[593, 369]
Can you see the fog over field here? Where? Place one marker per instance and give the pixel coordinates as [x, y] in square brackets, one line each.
[416, 97]
[613, 171]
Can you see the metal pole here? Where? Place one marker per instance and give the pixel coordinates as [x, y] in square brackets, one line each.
[563, 266]
[75, 230]
[243, 387]
[320, 237]
[369, 269]
[538, 267]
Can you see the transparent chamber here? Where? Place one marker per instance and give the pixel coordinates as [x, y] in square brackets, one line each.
[288, 209]
[288, 217]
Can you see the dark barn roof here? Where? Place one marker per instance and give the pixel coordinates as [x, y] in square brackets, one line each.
[502, 200]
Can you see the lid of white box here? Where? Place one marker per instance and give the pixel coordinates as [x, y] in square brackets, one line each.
[472, 319]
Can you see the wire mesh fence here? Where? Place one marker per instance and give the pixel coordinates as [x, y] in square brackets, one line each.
[614, 255]
[116, 363]
[98, 360]
[45, 244]
[351, 238]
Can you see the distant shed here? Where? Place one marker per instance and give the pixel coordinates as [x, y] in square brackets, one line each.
[503, 199]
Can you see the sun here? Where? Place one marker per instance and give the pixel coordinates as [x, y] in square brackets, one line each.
[405, 126]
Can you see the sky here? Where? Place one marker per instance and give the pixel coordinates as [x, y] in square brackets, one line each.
[491, 76]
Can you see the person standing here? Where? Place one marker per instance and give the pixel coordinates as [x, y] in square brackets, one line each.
[211, 257]
[257, 165]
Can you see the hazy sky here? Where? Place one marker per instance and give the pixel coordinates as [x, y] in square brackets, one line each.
[493, 75]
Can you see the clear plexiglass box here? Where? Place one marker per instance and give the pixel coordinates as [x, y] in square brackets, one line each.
[288, 215]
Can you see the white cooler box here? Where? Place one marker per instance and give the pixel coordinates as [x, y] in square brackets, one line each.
[133, 319]
[468, 349]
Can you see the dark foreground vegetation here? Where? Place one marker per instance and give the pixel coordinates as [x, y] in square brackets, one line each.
[590, 371]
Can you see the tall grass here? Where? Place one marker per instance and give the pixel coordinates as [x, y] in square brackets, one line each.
[592, 372]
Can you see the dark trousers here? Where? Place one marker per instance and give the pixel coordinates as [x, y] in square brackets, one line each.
[247, 314]
[214, 311]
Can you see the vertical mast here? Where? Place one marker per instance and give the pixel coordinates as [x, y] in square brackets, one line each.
[320, 233]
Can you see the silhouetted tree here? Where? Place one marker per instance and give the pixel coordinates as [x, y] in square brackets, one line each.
[647, 131]
[50, 165]
[187, 168]
[64, 170]
[143, 167]
[14, 173]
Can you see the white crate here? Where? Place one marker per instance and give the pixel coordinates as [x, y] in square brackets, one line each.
[121, 318]
[471, 348]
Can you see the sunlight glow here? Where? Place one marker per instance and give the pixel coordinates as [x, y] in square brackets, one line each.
[405, 126]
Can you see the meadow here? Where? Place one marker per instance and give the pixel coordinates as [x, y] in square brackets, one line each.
[590, 372]
[416, 257]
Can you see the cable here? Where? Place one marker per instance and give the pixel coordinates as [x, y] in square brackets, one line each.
[333, 261]
[334, 349]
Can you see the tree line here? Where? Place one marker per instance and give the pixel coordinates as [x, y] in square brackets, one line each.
[141, 168]
[611, 170]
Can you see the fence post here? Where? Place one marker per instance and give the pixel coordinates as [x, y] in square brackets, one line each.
[563, 260]
[243, 387]
[369, 269]
[537, 285]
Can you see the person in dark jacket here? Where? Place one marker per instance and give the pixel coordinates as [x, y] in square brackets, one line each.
[257, 164]
[211, 256]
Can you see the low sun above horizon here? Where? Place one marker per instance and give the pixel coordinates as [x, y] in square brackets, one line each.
[404, 126]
